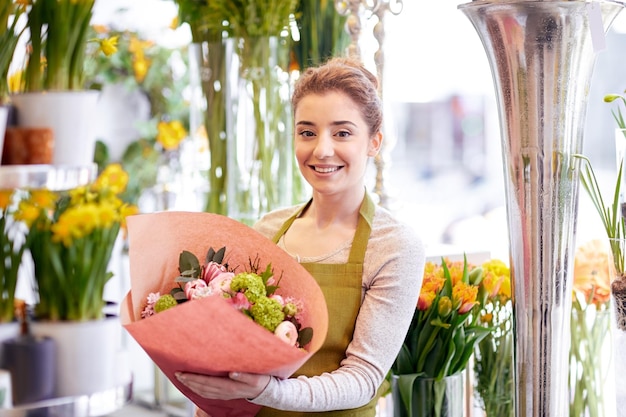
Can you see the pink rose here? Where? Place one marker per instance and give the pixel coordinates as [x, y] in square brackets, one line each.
[287, 332]
[192, 286]
[212, 270]
[220, 284]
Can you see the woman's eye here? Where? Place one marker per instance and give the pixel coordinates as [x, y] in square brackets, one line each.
[306, 133]
[343, 134]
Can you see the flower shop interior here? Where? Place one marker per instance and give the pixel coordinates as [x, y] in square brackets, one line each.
[440, 170]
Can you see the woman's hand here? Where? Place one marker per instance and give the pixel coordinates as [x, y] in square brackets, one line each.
[236, 385]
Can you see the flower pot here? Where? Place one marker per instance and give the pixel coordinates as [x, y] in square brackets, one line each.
[70, 114]
[415, 396]
[87, 355]
[4, 118]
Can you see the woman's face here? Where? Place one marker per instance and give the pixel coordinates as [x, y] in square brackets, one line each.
[332, 142]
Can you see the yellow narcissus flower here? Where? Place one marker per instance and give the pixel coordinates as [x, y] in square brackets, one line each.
[44, 198]
[170, 134]
[113, 178]
[108, 46]
[5, 198]
[592, 277]
[140, 63]
[27, 212]
[15, 82]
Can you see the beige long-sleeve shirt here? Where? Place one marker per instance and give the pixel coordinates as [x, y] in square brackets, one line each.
[392, 278]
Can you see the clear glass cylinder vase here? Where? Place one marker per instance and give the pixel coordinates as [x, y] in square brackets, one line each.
[259, 139]
[415, 396]
[591, 365]
[208, 117]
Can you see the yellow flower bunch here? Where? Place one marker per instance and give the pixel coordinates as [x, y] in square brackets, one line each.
[442, 319]
[71, 237]
[170, 134]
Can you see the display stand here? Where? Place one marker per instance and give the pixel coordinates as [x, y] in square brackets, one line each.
[62, 178]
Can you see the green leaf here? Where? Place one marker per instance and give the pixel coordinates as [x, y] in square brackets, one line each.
[305, 336]
[217, 257]
[188, 264]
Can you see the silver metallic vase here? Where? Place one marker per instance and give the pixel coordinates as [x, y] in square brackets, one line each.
[542, 56]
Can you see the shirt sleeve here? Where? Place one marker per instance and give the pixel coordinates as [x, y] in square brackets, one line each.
[392, 280]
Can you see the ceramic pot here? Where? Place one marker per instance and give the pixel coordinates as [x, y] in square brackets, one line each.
[71, 116]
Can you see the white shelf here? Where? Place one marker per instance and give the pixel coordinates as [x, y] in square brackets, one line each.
[50, 177]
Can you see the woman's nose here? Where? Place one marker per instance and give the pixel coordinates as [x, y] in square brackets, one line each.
[323, 147]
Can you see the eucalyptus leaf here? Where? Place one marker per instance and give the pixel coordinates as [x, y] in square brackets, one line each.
[188, 264]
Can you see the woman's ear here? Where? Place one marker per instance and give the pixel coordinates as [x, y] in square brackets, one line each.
[375, 143]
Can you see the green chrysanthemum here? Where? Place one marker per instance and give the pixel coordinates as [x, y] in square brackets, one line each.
[268, 313]
[251, 284]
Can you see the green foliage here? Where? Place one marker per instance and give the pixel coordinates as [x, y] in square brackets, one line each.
[9, 37]
[211, 20]
[610, 215]
[322, 33]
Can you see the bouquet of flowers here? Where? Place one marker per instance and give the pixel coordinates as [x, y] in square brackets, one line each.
[442, 335]
[493, 356]
[229, 339]
[590, 353]
[252, 292]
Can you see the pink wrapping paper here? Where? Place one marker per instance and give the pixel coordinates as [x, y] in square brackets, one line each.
[209, 336]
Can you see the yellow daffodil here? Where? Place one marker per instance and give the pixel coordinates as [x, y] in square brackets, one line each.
[5, 198]
[170, 134]
[108, 46]
[71, 236]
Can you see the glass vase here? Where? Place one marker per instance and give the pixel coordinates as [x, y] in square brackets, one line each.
[259, 140]
[207, 122]
[415, 396]
[591, 362]
[494, 383]
[541, 55]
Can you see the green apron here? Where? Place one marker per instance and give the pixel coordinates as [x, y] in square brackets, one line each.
[341, 285]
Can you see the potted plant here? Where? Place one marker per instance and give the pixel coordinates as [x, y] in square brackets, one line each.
[54, 65]
[71, 236]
